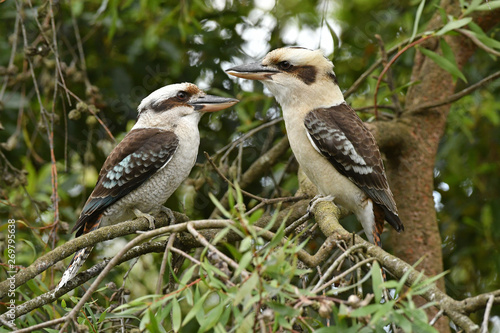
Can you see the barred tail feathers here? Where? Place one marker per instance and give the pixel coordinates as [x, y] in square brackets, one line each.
[79, 258]
[74, 266]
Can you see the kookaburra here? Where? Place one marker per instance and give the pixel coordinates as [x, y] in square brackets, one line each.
[148, 165]
[331, 143]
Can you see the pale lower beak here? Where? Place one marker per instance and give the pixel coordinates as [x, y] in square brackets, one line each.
[211, 103]
[253, 71]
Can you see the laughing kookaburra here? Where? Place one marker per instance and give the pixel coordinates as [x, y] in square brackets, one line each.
[148, 165]
[331, 143]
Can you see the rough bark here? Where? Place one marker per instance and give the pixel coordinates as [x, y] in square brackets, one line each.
[410, 160]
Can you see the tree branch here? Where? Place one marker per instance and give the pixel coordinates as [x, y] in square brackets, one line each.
[455, 97]
[102, 234]
[326, 216]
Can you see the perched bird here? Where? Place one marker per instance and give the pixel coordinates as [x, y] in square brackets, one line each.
[149, 164]
[331, 143]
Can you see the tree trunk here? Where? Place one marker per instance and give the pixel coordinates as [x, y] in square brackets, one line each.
[410, 145]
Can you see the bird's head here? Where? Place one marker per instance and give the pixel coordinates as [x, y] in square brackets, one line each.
[295, 75]
[175, 103]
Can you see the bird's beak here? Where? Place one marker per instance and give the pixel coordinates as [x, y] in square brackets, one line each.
[211, 103]
[253, 71]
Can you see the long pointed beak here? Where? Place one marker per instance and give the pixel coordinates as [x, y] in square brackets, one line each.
[253, 71]
[211, 103]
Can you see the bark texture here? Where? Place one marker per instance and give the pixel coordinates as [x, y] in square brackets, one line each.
[410, 158]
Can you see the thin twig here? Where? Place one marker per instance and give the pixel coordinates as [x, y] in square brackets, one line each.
[389, 64]
[185, 255]
[457, 96]
[476, 41]
[212, 248]
[41, 325]
[489, 305]
[49, 129]
[229, 147]
[372, 68]
[265, 201]
[340, 276]
[142, 237]
[163, 266]
[91, 111]
[390, 77]
[436, 317]
[12, 56]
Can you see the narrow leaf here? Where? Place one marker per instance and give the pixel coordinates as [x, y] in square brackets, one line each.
[246, 289]
[377, 281]
[417, 19]
[245, 260]
[472, 7]
[452, 25]
[489, 5]
[219, 205]
[444, 63]
[196, 307]
[176, 315]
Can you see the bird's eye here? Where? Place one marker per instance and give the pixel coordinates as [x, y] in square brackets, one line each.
[285, 65]
[182, 95]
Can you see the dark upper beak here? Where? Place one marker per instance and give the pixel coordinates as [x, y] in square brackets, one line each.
[211, 103]
[253, 71]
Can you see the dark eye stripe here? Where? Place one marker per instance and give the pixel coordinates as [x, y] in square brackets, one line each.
[306, 73]
[166, 104]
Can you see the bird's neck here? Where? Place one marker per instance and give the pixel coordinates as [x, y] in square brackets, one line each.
[301, 100]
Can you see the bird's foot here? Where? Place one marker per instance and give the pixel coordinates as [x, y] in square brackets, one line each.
[169, 213]
[316, 199]
[148, 217]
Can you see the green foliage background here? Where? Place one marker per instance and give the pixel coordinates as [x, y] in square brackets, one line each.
[134, 47]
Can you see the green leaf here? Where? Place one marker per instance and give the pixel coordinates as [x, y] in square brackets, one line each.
[176, 315]
[452, 25]
[284, 310]
[187, 276]
[477, 6]
[377, 281]
[197, 306]
[102, 316]
[472, 6]
[488, 5]
[444, 63]
[246, 244]
[365, 310]
[219, 205]
[243, 263]
[212, 317]
[447, 51]
[247, 323]
[246, 289]
[417, 19]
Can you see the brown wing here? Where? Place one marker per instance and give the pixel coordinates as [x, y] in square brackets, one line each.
[140, 155]
[340, 135]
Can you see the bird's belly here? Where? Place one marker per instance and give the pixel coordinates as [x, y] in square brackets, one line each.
[152, 194]
[323, 174]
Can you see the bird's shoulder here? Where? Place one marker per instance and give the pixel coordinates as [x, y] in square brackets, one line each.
[139, 144]
[340, 133]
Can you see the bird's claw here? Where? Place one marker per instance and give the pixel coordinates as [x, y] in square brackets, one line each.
[148, 217]
[316, 199]
[169, 213]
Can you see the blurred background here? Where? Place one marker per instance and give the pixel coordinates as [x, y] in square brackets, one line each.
[108, 55]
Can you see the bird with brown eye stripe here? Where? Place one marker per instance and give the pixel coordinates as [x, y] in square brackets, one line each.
[285, 65]
[182, 96]
[333, 146]
[148, 165]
